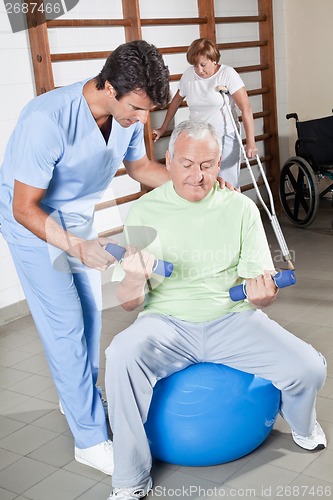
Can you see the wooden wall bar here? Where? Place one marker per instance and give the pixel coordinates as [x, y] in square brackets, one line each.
[40, 50]
[269, 98]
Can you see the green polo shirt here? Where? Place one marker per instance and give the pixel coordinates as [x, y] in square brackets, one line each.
[213, 243]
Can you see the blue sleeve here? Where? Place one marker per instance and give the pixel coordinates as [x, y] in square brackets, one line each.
[37, 146]
[136, 148]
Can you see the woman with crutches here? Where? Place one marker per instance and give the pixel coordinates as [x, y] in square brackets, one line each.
[197, 85]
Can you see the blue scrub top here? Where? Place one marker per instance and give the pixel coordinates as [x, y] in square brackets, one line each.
[58, 146]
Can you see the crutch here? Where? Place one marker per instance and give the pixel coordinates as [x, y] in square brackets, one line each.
[271, 215]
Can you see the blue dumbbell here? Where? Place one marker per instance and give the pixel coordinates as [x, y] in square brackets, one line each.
[161, 267]
[281, 280]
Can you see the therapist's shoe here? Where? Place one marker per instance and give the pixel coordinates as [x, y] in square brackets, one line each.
[316, 440]
[104, 403]
[99, 457]
[132, 493]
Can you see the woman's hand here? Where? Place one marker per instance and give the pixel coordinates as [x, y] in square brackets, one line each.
[157, 133]
[251, 150]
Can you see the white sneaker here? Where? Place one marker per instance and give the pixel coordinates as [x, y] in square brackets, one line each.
[104, 403]
[99, 457]
[132, 493]
[316, 440]
[61, 408]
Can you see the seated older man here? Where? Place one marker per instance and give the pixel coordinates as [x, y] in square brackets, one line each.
[215, 239]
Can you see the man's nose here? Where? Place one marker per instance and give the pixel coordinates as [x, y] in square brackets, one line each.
[197, 174]
[142, 115]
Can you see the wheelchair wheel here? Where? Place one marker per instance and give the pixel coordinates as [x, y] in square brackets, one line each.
[299, 191]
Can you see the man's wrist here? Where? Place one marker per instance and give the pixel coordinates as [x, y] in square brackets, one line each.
[74, 246]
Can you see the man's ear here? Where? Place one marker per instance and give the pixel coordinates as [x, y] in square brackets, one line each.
[109, 89]
[167, 160]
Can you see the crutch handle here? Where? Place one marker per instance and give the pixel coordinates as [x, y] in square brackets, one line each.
[281, 280]
[161, 267]
[222, 88]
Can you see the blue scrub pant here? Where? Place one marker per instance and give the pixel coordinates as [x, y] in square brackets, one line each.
[66, 308]
[156, 346]
[230, 164]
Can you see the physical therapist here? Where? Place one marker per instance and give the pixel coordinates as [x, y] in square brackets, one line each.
[62, 155]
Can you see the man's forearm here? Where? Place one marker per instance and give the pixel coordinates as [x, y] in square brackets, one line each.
[46, 228]
[130, 293]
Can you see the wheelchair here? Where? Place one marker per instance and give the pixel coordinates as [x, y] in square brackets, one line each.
[301, 174]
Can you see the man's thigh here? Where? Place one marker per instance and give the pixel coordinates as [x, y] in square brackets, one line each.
[164, 345]
[252, 342]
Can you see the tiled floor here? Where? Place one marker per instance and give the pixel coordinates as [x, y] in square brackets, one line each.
[36, 447]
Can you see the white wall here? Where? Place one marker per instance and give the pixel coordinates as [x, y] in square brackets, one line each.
[281, 76]
[17, 88]
[309, 59]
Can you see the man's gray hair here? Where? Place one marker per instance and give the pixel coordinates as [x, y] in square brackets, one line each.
[197, 130]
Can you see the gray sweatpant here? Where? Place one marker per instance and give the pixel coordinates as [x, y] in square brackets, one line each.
[156, 346]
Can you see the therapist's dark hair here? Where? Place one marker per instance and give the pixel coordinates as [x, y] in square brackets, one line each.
[136, 66]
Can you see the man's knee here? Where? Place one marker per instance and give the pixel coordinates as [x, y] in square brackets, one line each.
[115, 351]
[124, 348]
[310, 374]
[319, 371]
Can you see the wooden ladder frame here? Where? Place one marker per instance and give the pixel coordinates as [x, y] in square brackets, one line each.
[132, 23]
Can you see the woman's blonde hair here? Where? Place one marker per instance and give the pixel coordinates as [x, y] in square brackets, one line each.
[202, 47]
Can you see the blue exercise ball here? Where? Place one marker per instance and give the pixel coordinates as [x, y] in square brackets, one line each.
[209, 414]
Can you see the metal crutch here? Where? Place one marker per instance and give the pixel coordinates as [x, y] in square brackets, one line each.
[271, 215]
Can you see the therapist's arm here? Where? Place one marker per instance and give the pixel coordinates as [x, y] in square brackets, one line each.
[27, 211]
[147, 172]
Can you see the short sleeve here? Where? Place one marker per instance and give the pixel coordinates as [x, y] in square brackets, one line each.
[255, 256]
[232, 80]
[136, 148]
[183, 82]
[37, 147]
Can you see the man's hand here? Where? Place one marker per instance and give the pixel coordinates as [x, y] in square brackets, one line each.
[93, 254]
[261, 291]
[225, 184]
[138, 265]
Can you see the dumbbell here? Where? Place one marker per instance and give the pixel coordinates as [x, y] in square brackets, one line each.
[161, 267]
[281, 280]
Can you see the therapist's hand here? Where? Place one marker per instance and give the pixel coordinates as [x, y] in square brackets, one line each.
[93, 254]
[225, 184]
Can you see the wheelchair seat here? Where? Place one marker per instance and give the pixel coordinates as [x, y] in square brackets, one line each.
[301, 174]
[315, 141]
